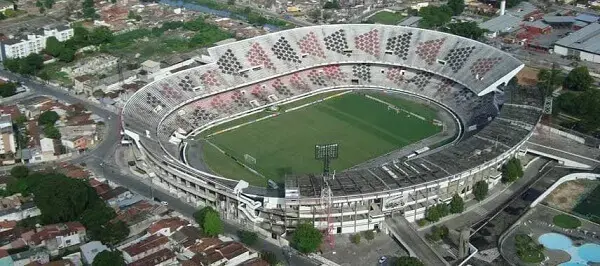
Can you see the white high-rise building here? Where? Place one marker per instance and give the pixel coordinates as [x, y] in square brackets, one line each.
[7, 136]
[21, 46]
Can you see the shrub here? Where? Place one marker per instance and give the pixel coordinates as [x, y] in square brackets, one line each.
[369, 235]
[247, 237]
[355, 238]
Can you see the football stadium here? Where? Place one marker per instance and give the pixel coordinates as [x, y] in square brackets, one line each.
[338, 125]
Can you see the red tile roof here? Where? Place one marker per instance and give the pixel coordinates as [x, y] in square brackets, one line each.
[53, 230]
[172, 223]
[13, 110]
[3, 253]
[7, 225]
[94, 182]
[204, 244]
[101, 188]
[154, 258]
[151, 242]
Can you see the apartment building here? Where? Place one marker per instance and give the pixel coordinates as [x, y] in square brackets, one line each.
[34, 42]
[7, 136]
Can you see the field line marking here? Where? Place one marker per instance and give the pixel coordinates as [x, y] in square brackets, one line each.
[367, 124]
[235, 159]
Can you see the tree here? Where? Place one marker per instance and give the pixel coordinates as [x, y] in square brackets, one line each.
[53, 46]
[133, 15]
[247, 237]
[355, 238]
[549, 80]
[19, 171]
[109, 258]
[457, 6]
[465, 29]
[113, 232]
[40, 5]
[98, 94]
[100, 35]
[51, 132]
[333, 4]
[438, 233]
[89, 11]
[512, 170]
[20, 120]
[67, 55]
[314, 14]
[579, 79]
[457, 204]
[49, 3]
[48, 118]
[269, 257]
[231, 2]
[200, 214]
[369, 235]
[436, 212]
[8, 89]
[434, 16]
[80, 36]
[306, 238]
[480, 190]
[212, 226]
[408, 261]
[327, 15]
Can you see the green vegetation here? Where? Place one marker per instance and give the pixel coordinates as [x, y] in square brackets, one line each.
[408, 261]
[8, 89]
[62, 199]
[465, 29]
[434, 16]
[284, 144]
[527, 250]
[306, 238]
[436, 212]
[457, 205]
[109, 258]
[585, 106]
[457, 6]
[355, 239]
[369, 235]
[333, 4]
[590, 205]
[480, 190]
[48, 118]
[29, 65]
[578, 79]
[549, 80]
[269, 257]
[512, 170]
[247, 237]
[386, 17]
[209, 220]
[19, 172]
[438, 233]
[88, 9]
[566, 221]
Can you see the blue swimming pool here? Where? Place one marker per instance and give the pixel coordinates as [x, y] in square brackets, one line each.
[581, 255]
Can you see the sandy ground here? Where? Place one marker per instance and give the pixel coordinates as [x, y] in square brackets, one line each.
[568, 194]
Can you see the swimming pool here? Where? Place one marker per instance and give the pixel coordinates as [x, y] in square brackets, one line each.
[579, 255]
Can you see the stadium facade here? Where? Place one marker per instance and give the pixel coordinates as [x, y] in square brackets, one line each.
[465, 77]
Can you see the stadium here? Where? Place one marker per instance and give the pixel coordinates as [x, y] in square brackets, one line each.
[407, 118]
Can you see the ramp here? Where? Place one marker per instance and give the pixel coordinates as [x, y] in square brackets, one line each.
[417, 246]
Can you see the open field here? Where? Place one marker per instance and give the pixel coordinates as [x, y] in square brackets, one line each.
[590, 205]
[566, 196]
[283, 145]
[386, 17]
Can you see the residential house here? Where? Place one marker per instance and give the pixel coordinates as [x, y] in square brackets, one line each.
[58, 236]
[159, 258]
[7, 225]
[228, 253]
[145, 247]
[201, 246]
[186, 236]
[33, 255]
[90, 250]
[5, 258]
[82, 84]
[8, 144]
[168, 226]
[31, 43]
[11, 110]
[115, 195]
[16, 208]
[47, 148]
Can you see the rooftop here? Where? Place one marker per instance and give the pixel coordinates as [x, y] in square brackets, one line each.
[173, 224]
[589, 18]
[559, 19]
[155, 258]
[151, 242]
[586, 39]
[505, 23]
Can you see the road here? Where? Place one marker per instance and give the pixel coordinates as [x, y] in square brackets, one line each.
[101, 161]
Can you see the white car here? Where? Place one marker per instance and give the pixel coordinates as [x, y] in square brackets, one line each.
[382, 259]
[164, 203]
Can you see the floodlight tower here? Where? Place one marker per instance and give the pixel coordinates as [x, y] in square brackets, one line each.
[327, 152]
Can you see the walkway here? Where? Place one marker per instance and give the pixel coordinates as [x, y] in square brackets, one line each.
[417, 246]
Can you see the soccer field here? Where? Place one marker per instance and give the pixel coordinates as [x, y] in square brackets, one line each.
[363, 128]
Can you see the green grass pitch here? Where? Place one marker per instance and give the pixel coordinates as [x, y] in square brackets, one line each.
[363, 128]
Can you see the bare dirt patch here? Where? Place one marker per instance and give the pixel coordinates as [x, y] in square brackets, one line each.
[527, 76]
[568, 194]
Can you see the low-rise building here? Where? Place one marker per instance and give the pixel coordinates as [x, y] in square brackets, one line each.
[16, 208]
[583, 44]
[168, 226]
[58, 236]
[7, 136]
[35, 42]
[159, 258]
[145, 248]
[90, 250]
[95, 65]
[33, 255]
[229, 253]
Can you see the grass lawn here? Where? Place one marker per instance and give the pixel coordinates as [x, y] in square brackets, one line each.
[590, 205]
[566, 221]
[386, 17]
[282, 145]
[528, 250]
